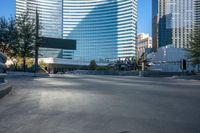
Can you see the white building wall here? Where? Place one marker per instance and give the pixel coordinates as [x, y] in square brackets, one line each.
[168, 59]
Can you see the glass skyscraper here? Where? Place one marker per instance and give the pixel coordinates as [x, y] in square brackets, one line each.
[50, 12]
[155, 24]
[176, 22]
[197, 14]
[103, 29]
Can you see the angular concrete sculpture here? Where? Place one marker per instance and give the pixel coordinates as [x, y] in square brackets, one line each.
[5, 88]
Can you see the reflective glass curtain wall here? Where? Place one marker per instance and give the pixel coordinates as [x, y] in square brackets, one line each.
[50, 13]
[197, 14]
[155, 24]
[50, 17]
[176, 22]
[103, 29]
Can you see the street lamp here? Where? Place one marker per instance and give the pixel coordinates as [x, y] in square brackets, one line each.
[36, 42]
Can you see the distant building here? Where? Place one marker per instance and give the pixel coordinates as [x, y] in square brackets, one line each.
[197, 14]
[176, 19]
[144, 42]
[155, 24]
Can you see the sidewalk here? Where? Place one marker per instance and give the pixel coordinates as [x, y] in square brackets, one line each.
[27, 74]
[191, 77]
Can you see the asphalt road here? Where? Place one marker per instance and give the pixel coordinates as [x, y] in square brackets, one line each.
[100, 104]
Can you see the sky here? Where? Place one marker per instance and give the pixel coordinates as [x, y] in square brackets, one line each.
[7, 8]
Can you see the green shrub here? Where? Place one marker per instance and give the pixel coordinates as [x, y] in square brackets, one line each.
[93, 65]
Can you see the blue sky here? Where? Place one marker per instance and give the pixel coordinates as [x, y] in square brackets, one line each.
[145, 16]
[7, 8]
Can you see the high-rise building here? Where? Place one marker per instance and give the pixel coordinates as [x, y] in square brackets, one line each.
[197, 14]
[176, 22]
[50, 12]
[155, 24]
[103, 29]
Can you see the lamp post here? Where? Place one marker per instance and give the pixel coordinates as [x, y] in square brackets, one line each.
[36, 42]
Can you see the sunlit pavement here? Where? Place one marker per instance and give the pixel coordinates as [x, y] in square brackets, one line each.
[100, 104]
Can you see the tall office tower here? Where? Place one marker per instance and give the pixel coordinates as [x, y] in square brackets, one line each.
[197, 14]
[50, 14]
[103, 29]
[155, 24]
[176, 22]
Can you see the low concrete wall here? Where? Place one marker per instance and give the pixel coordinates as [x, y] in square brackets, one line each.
[103, 72]
[2, 67]
[129, 73]
[160, 74]
[2, 78]
[5, 88]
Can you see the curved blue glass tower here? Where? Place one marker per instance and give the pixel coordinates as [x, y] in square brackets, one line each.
[50, 13]
[104, 29]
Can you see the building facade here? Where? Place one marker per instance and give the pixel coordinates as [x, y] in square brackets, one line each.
[103, 29]
[50, 15]
[170, 59]
[176, 22]
[155, 24]
[144, 42]
[197, 14]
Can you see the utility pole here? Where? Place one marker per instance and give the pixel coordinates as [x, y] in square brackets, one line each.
[36, 42]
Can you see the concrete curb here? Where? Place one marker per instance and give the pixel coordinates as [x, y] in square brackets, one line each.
[5, 88]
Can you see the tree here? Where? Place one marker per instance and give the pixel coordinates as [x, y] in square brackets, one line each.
[8, 37]
[93, 65]
[13, 39]
[26, 33]
[194, 50]
[20, 38]
[3, 35]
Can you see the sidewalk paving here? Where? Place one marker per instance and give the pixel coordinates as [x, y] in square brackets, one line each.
[27, 74]
[191, 77]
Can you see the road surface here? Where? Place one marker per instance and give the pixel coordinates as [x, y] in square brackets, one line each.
[100, 104]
